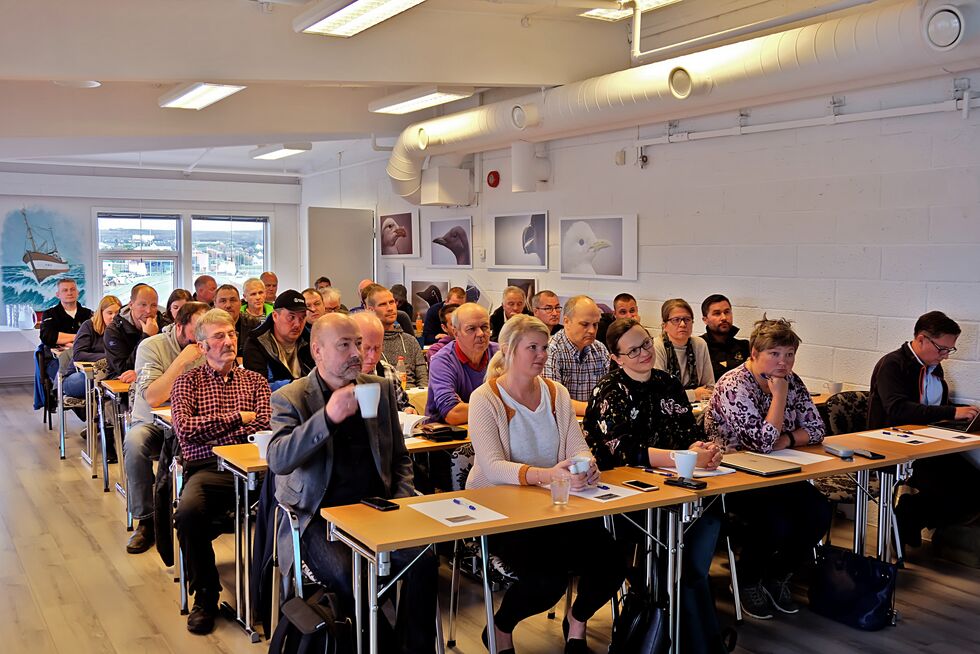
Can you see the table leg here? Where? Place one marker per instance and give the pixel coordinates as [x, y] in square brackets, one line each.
[886, 497]
[673, 527]
[99, 401]
[247, 559]
[61, 418]
[488, 595]
[122, 486]
[356, 566]
[861, 511]
[87, 453]
[373, 607]
[650, 544]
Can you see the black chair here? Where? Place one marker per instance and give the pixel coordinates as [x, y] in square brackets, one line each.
[42, 357]
[846, 412]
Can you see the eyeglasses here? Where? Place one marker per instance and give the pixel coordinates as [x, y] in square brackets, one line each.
[942, 349]
[680, 320]
[221, 338]
[634, 352]
[553, 309]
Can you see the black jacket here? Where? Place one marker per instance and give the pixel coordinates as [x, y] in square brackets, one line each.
[895, 385]
[244, 326]
[122, 337]
[431, 325]
[727, 355]
[259, 355]
[497, 322]
[55, 320]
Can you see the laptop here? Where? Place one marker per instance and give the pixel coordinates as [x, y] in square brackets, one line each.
[759, 464]
[966, 426]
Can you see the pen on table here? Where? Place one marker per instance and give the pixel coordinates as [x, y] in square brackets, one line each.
[894, 433]
[456, 500]
[903, 431]
[602, 487]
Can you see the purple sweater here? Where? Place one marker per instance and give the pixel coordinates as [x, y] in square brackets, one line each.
[451, 381]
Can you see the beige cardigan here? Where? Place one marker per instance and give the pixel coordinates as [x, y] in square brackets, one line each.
[489, 427]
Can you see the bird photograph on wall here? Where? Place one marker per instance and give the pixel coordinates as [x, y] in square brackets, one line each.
[426, 293]
[451, 243]
[398, 235]
[519, 241]
[598, 247]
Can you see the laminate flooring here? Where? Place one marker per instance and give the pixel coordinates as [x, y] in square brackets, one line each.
[67, 584]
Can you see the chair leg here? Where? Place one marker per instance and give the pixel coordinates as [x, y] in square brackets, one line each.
[440, 643]
[734, 571]
[181, 578]
[100, 417]
[454, 594]
[61, 419]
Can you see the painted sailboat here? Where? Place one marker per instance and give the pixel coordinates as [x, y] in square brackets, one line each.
[44, 260]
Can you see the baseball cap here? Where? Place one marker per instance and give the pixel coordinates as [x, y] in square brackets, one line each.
[290, 299]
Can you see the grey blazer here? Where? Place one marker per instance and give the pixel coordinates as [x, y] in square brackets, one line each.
[301, 451]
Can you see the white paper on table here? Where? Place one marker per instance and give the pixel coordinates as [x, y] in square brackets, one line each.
[455, 514]
[947, 435]
[701, 472]
[414, 440]
[795, 456]
[904, 439]
[408, 422]
[604, 492]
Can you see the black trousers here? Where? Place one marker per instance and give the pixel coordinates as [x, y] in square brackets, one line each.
[543, 559]
[777, 528]
[206, 499]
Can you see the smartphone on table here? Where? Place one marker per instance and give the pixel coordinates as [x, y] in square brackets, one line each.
[636, 484]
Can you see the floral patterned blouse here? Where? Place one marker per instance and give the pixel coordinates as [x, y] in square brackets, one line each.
[736, 415]
[625, 417]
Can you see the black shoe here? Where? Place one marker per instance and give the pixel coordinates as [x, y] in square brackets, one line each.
[754, 600]
[909, 524]
[201, 619]
[576, 646]
[486, 643]
[780, 595]
[143, 537]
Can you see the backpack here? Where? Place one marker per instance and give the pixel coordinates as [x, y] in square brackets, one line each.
[640, 627]
[312, 626]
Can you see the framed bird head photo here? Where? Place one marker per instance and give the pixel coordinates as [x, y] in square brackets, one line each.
[398, 235]
[519, 241]
[426, 292]
[598, 247]
[450, 242]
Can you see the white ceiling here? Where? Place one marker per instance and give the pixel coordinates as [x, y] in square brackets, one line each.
[300, 87]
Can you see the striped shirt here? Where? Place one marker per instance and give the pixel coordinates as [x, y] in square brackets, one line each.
[207, 408]
[578, 371]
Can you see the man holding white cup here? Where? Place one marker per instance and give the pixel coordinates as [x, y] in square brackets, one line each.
[337, 440]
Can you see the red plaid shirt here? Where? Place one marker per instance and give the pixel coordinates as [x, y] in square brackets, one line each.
[206, 409]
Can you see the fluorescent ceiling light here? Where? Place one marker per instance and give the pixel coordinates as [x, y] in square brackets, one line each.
[620, 14]
[272, 152]
[348, 17]
[197, 95]
[418, 98]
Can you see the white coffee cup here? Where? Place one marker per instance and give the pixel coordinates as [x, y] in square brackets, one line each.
[368, 396]
[833, 387]
[684, 461]
[261, 440]
[580, 464]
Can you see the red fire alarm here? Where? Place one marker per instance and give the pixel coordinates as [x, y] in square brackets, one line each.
[493, 179]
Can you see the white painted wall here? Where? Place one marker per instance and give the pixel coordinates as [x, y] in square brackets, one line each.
[850, 230]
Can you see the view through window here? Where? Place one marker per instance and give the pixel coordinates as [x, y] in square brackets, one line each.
[229, 248]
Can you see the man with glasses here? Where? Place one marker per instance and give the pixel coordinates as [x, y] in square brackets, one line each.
[460, 367]
[546, 307]
[908, 387]
[576, 360]
[331, 301]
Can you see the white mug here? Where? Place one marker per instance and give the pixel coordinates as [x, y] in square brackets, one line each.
[368, 396]
[261, 440]
[684, 461]
[833, 388]
[580, 464]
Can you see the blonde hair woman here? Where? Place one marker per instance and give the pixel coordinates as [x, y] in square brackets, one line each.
[524, 432]
[89, 345]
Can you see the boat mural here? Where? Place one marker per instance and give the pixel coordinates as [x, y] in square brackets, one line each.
[44, 260]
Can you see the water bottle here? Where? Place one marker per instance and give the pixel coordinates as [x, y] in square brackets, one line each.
[402, 369]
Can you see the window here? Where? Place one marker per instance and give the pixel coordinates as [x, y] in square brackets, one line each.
[138, 248]
[229, 248]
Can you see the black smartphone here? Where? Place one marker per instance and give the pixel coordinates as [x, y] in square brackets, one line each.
[868, 454]
[640, 485]
[683, 482]
[380, 503]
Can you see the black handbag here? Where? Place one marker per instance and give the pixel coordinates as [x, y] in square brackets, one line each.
[856, 590]
[640, 627]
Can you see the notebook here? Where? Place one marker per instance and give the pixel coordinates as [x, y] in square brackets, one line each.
[967, 426]
[759, 464]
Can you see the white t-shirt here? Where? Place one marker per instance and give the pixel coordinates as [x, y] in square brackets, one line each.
[533, 434]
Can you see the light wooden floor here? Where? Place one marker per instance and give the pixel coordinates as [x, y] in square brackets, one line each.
[67, 584]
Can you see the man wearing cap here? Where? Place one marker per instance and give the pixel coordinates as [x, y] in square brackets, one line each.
[277, 349]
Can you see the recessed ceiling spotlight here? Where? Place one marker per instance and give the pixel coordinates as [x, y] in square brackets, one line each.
[78, 83]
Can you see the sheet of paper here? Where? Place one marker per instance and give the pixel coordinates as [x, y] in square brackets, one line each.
[795, 456]
[947, 435]
[408, 422]
[895, 437]
[414, 440]
[604, 492]
[701, 472]
[459, 511]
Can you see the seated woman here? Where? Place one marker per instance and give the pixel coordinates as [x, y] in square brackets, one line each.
[524, 432]
[178, 298]
[89, 346]
[683, 356]
[763, 406]
[636, 416]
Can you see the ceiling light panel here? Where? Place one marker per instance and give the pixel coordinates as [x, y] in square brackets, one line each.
[347, 18]
[619, 14]
[273, 152]
[418, 98]
[197, 95]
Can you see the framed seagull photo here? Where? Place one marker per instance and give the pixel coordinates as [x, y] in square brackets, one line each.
[519, 241]
[398, 235]
[450, 243]
[598, 247]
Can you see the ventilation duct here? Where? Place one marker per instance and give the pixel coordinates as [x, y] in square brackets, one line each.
[882, 44]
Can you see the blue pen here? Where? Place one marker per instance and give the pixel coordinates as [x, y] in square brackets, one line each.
[602, 487]
[893, 433]
[902, 431]
[456, 500]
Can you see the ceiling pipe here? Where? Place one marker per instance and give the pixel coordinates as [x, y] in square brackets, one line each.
[876, 46]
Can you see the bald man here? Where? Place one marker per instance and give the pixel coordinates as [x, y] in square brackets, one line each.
[575, 358]
[271, 282]
[205, 288]
[372, 349]
[325, 453]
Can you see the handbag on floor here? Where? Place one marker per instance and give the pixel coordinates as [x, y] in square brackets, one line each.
[856, 590]
[312, 626]
[640, 627]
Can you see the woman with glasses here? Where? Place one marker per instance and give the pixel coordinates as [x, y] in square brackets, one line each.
[681, 355]
[636, 416]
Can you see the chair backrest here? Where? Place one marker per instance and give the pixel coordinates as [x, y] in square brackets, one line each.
[847, 412]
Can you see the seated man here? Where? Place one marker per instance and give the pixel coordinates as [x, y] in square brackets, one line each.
[160, 359]
[228, 298]
[397, 343]
[726, 351]
[136, 321]
[277, 349]
[624, 306]
[314, 305]
[372, 343]
[253, 292]
[331, 301]
[325, 454]
[60, 323]
[403, 320]
[514, 303]
[271, 283]
[205, 287]
[431, 324]
[460, 367]
[214, 404]
[908, 387]
[401, 297]
[361, 287]
[576, 360]
[322, 283]
[547, 308]
[448, 332]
